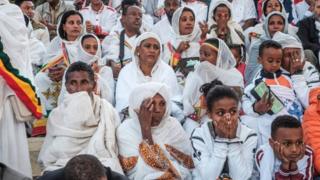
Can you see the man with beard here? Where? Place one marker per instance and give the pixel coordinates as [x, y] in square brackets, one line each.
[50, 13]
[163, 28]
[116, 48]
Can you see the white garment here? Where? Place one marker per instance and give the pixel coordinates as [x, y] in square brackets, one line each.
[81, 128]
[131, 76]
[105, 82]
[169, 131]
[233, 26]
[105, 18]
[268, 164]
[111, 47]
[242, 10]
[200, 9]
[210, 152]
[14, 151]
[164, 30]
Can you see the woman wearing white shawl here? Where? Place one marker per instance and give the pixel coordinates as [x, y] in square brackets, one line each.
[13, 141]
[105, 82]
[166, 153]
[205, 72]
[83, 123]
[234, 33]
[132, 75]
[258, 30]
[252, 65]
[184, 51]
[308, 78]
[62, 51]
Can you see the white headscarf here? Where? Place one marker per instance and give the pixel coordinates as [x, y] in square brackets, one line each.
[131, 75]
[85, 57]
[264, 3]
[169, 131]
[194, 36]
[266, 23]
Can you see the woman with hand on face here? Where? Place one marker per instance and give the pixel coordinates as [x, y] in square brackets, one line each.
[184, 51]
[62, 51]
[223, 147]
[222, 25]
[152, 144]
[147, 66]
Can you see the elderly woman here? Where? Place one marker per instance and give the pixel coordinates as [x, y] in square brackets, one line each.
[62, 51]
[222, 25]
[146, 66]
[152, 144]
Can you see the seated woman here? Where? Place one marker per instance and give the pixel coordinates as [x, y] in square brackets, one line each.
[152, 144]
[223, 147]
[222, 25]
[183, 53]
[89, 52]
[268, 6]
[217, 62]
[146, 66]
[62, 51]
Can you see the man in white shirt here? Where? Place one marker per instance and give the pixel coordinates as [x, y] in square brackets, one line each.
[243, 12]
[116, 48]
[99, 19]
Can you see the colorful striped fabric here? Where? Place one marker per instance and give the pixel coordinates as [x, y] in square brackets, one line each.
[22, 86]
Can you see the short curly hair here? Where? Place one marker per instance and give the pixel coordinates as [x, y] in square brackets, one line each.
[84, 167]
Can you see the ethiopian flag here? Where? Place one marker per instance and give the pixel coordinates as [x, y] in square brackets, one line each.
[22, 86]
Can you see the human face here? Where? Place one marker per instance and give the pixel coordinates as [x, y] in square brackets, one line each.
[96, 2]
[222, 15]
[133, 18]
[90, 45]
[170, 6]
[271, 59]
[148, 52]
[186, 23]
[287, 55]
[27, 8]
[207, 53]
[275, 24]
[272, 5]
[236, 54]
[317, 9]
[72, 27]
[159, 109]
[222, 107]
[291, 140]
[79, 81]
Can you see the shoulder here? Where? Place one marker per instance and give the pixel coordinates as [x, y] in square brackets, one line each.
[198, 133]
[247, 133]
[263, 152]
[110, 9]
[85, 9]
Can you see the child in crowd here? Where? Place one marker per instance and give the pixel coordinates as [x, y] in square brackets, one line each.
[285, 156]
[238, 52]
[270, 94]
[217, 62]
[223, 146]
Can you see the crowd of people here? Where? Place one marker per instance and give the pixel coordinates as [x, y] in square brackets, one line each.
[161, 89]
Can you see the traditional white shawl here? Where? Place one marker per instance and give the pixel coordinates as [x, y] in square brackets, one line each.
[205, 72]
[105, 81]
[169, 131]
[193, 38]
[232, 25]
[81, 125]
[55, 47]
[131, 76]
